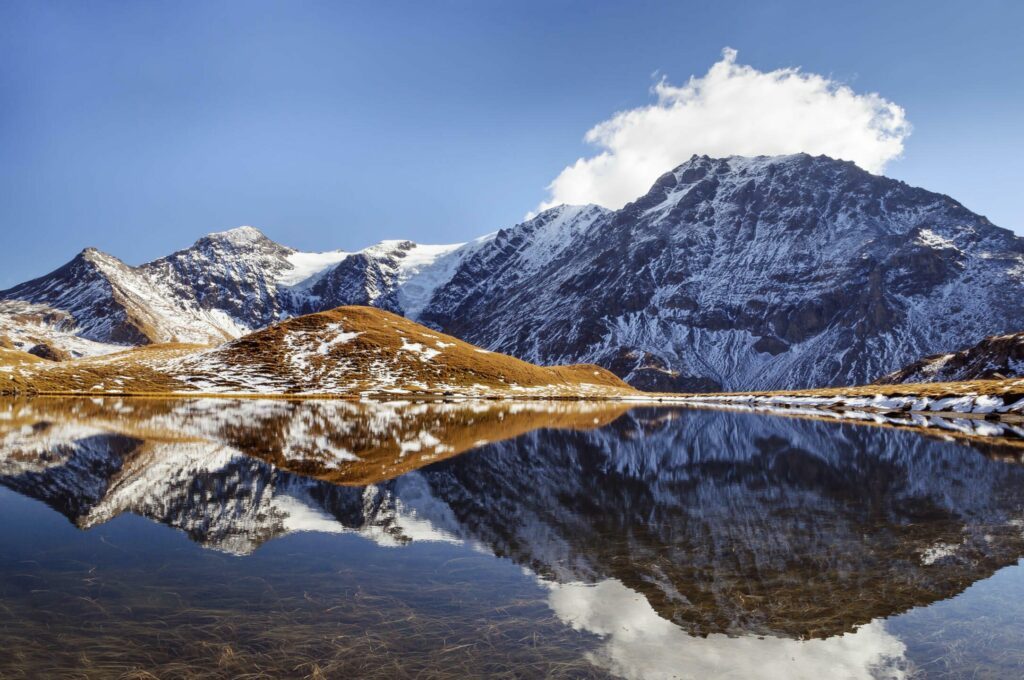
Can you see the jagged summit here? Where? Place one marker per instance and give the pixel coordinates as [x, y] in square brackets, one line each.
[90, 253]
[244, 232]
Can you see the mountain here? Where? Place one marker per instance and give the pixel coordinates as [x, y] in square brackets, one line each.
[349, 350]
[749, 273]
[729, 274]
[995, 357]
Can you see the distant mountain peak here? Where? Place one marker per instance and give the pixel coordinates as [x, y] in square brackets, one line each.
[745, 273]
[241, 239]
[96, 255]
[243, 234]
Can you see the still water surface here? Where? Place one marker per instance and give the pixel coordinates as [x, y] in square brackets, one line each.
[219, 538]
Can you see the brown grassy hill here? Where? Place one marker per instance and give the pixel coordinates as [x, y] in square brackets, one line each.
[344, 351]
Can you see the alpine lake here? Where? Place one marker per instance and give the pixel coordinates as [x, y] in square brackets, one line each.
[222, 538]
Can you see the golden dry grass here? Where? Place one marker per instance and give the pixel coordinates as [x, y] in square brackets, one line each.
[1012, 387]
[383, 336]
[10, 357]
[130, 370]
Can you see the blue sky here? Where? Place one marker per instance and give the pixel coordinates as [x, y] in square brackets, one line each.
[136, 127]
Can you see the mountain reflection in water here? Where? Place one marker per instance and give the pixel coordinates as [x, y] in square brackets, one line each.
[678, 543]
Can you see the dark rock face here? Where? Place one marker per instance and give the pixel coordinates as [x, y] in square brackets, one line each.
[748, 273]
[44, 351]
[649, 372]
[994, 357]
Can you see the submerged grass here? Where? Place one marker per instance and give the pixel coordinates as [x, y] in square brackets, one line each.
[80, 621]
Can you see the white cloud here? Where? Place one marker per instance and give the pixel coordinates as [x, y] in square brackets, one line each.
[731, 110]
[637, 643]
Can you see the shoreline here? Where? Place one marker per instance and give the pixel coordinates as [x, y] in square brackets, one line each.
[944, 401]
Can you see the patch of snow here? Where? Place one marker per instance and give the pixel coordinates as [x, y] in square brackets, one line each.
[340, 339]
[929, 238]
[308, 265]
[422, 271]
[425, 353]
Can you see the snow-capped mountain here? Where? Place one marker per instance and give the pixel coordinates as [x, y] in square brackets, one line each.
[735, 273]
[995, 357]
[751, 273]
[225, 285]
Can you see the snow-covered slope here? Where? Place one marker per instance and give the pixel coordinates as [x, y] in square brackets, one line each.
[95, 294]
[399, 276]
[996, 357]
[510, 260]
[749, 273]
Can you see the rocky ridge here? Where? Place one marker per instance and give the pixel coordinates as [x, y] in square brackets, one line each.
[994, 358]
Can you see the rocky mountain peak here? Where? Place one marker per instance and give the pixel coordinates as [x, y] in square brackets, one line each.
[240, 241]
[745, 273]
[97, 257]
